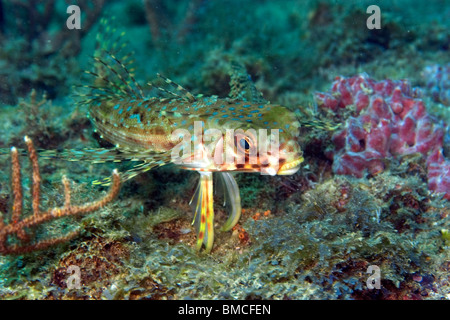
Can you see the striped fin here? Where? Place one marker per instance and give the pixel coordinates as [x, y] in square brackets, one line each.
[320, 124]
[101, 155]
[112, 75]
[112, 79]
[131, 173]
[149, 160]
[203, 203]
[308, 117]
[232, 199]
[184, 93]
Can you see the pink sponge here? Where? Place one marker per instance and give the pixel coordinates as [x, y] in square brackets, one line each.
[386, 120]
[437, 79]
[438, 173]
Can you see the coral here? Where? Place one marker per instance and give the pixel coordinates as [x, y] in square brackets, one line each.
[439, 173]
[18, 227]
[383, 120]
[437, 78]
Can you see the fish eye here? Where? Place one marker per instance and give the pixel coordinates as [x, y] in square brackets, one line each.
[244, 144]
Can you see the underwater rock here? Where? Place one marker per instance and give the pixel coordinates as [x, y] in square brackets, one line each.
[382, 120]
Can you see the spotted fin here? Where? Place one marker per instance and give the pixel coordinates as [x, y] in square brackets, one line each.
[242, 86]
[203, 204]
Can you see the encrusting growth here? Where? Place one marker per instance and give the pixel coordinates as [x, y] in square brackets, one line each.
[17, 227]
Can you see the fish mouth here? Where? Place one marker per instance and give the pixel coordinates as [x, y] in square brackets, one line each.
[290, 167]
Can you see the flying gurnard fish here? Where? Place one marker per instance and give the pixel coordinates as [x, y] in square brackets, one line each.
[143, 128]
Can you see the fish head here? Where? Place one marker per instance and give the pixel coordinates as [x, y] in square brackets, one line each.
[267, 144]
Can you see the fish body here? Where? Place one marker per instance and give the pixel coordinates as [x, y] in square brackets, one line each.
[148, 125]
